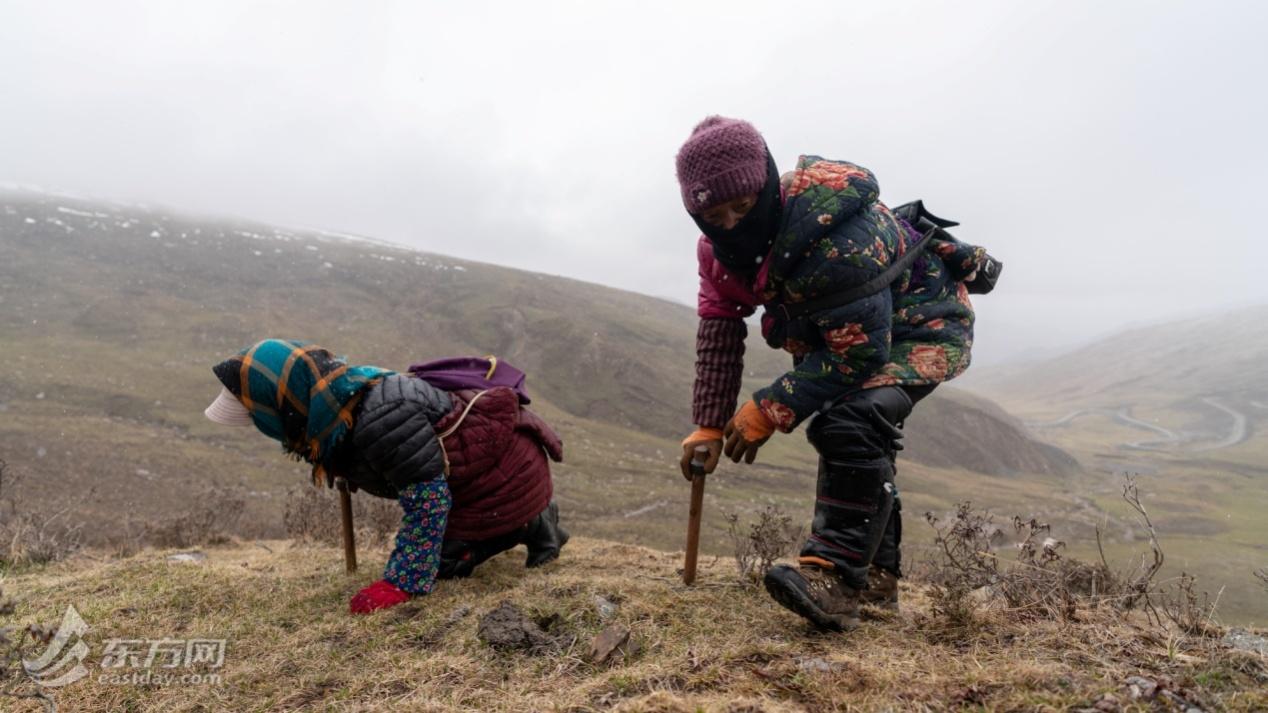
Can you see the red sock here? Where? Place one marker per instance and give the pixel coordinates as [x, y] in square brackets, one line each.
[380, 595]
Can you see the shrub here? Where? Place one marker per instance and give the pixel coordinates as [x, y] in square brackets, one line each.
[770, 538]
[966, 573]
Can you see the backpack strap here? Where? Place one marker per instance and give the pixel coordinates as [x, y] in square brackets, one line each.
[454, 426]
[788, 312]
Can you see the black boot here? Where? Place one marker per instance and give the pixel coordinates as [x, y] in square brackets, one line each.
[851, 512]
[856, 440]
[544, 537]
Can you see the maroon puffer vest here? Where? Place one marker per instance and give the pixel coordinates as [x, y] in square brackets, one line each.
[498, 472]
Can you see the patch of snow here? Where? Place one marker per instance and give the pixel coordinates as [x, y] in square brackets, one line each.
[30, 221]
[257, 253]
[459, 268]
[155, 234]
[72, 211]
[314, 248]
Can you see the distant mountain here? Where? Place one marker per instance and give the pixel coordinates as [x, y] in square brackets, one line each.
[1219, 355]
[1196, 385]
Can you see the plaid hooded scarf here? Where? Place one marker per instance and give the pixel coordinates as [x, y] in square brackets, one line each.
[299, 394]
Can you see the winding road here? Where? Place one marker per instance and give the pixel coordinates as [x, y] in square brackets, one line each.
[1239, 431]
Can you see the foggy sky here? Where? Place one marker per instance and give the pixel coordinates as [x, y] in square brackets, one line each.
[1111, 154]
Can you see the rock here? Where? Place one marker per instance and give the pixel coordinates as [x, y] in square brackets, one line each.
[1242, 640]
[818, 665]
[1109, 703]
[193, 556]
[507, 628]
[1141, 688]
[604, 607]
[457, 614]
[615, 637]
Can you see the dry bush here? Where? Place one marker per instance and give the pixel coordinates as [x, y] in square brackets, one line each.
[1262, 576]
[768, 539]
[967, 573]
[312, 515]
[964, 564]
[29, 536]
[212, 520]
[1042, 583]
[1177, 601]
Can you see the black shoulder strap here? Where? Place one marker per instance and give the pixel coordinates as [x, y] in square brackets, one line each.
[867, 289]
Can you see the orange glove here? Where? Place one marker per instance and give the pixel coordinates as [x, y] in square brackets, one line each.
[708, 437]
[746, 432]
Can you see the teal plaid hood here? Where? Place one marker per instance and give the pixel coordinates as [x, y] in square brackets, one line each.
[298, 394]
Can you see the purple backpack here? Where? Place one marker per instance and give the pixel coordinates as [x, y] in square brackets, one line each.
[459, 373]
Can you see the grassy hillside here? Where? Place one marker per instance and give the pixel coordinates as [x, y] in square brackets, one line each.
[290, 644]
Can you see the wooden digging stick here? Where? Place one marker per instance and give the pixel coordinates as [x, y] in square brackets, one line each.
[349, 537]
[698, 459]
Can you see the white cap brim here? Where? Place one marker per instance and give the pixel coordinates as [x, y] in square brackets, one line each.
[227, 410]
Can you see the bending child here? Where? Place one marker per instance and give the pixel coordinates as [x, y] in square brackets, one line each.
[467, 465]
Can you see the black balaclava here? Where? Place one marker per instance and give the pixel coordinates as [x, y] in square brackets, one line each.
[742, 248]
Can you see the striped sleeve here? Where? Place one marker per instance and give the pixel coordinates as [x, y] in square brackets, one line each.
[719, 371]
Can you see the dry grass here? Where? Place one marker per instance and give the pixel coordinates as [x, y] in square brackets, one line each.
[715, 647]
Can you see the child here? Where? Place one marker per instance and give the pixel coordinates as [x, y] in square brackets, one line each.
[468, 466]
[863, 357]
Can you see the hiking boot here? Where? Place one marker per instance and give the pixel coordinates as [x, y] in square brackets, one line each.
[882, 589]
[544, 537]
[816, 594]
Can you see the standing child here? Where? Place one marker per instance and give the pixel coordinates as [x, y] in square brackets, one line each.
[469, 466]
[818, 241]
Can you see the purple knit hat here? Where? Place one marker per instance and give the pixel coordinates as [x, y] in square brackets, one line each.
[723, 160]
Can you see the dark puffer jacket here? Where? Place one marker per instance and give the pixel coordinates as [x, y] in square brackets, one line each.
[393, 440]
[493, 452]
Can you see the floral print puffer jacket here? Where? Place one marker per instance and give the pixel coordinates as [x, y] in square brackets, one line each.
[836, 234]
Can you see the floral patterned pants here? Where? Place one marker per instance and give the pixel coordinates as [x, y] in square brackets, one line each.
[415, 559]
